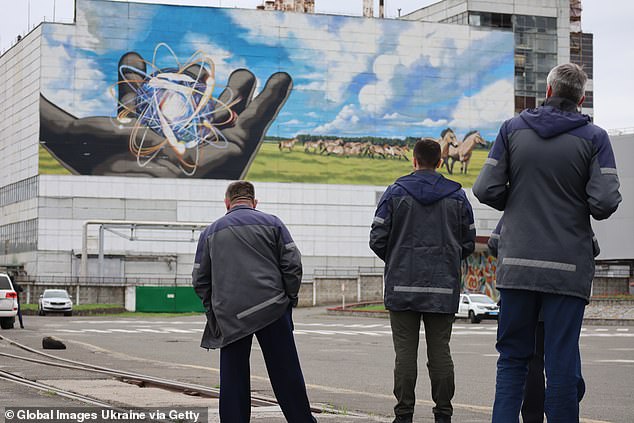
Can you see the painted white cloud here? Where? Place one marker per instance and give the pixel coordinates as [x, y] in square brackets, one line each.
[73, 80]
[292, 122]
[86, 32]
[393, 116]
[492, 105]
[340, 59]
[225, 62]
[76, 83]
[430, 123]
[347, 120]
[419, 48]
[312, 115]
[311, 86]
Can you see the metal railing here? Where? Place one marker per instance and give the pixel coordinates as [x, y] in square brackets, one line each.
[620, 131]
[346, 271]
[104, 281]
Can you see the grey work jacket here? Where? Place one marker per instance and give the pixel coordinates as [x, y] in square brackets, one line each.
[247, 273]
[550, 169]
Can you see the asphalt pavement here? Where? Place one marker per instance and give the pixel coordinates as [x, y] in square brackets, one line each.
[347, 363]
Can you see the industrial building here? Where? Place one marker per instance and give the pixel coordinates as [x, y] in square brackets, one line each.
[79, 200]
[300, 6]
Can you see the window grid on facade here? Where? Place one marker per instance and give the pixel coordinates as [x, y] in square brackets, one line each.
[18, 237]
[581, 51]
[19, 191]
[459, 19]
[535, 56]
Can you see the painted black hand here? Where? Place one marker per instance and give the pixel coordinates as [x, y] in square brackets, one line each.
[101, 145]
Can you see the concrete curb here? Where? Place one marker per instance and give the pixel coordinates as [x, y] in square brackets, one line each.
[92, 312]
[339, 311]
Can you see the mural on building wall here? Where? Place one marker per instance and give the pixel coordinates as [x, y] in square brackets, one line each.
[173, 91]
[478, 274]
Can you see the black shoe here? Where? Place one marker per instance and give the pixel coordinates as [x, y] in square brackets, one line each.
[404, 418]
[442, 418]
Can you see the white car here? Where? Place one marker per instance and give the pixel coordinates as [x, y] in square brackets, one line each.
[8, 302]
[476, 307]
[55, 300]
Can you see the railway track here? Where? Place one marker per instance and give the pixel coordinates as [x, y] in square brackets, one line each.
[124, 376]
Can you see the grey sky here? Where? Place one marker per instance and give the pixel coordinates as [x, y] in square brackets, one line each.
[609, 20]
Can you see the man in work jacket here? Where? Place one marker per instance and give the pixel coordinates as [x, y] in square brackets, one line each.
[247, 272]
[550, 169]
[422, 228]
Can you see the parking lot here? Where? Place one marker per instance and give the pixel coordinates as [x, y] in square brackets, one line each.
[347, 362]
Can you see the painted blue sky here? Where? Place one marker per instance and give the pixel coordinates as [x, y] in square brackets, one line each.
[352, 76]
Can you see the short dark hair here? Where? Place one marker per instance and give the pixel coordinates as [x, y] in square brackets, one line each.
[240, 190]
[427, 152]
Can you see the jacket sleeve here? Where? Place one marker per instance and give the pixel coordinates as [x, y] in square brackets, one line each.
[494, 239]
[491, 187]
[290, 263]
[468, 228]
[381, 225]
[201, 274]
[602, 188]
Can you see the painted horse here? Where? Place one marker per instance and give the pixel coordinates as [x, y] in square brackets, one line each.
[447, 139]
[463, 151]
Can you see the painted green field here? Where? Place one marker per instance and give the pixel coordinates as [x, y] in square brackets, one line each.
[49, 164]
[271, 165]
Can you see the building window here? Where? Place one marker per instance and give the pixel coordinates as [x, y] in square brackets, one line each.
[589, 101]
[459, 19]
[524, 102]
[535, 56]
[19, 191]
[18, 237]
[491, 20]
[581, 51]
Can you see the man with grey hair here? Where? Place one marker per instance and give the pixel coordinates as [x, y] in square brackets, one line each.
[549, 170]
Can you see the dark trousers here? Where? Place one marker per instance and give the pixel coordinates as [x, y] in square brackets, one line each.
[20, 313]
[563, 316]
[405, 335]
[282, 363]
[534, 390]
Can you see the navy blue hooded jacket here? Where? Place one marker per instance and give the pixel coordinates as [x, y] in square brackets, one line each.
[422, 228]
[550, 169]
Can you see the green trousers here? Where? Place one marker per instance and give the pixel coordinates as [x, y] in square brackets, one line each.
[405, 335]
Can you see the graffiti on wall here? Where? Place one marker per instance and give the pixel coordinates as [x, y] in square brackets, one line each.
[229, 93]
[478, 274]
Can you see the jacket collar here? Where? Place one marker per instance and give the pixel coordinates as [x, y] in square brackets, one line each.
[561, 104]
[239, 207]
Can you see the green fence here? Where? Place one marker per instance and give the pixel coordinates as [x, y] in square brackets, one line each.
[167, 299]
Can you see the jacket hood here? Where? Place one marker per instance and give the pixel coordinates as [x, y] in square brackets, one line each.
[556, 116]
[427, 187]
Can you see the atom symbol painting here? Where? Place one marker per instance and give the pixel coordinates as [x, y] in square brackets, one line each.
[177, 103]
